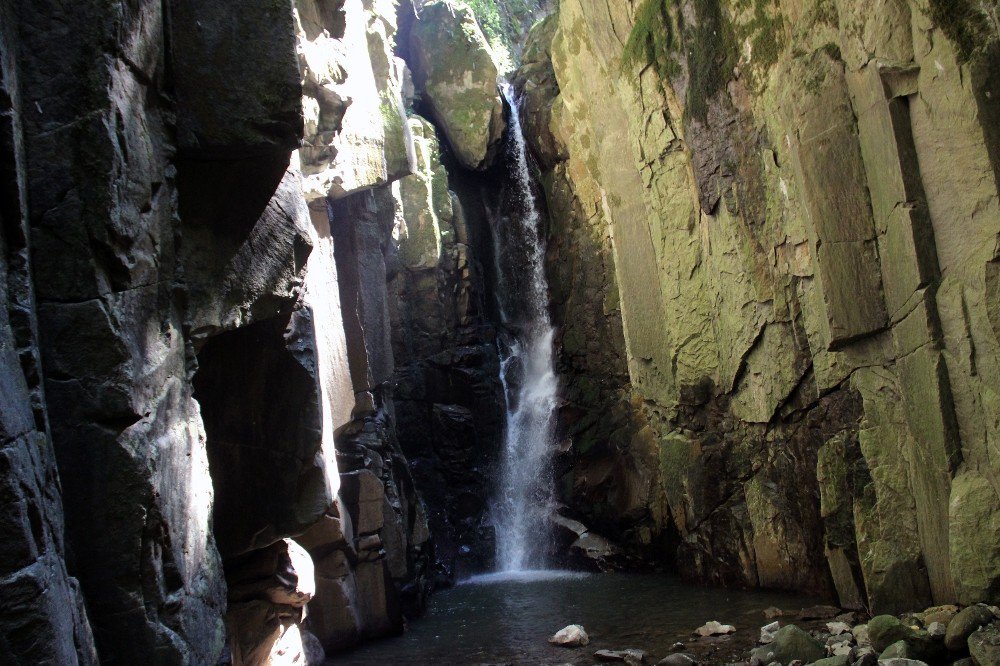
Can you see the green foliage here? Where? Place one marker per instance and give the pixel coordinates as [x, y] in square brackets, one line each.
[652, 40]
[971, 25]
[501, 21]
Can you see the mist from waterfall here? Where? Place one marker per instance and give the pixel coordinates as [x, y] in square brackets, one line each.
[524, 501]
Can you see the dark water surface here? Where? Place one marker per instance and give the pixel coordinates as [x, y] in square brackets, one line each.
[510, 621]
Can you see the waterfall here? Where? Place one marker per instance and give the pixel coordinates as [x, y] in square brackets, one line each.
[527, 369]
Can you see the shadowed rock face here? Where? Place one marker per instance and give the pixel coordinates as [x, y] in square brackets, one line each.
[173, 337]
[766, 203]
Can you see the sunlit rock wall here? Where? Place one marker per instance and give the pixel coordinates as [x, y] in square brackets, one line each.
[793, 206]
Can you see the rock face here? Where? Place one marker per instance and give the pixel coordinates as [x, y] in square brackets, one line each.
[773, 287]
[199, 337]
[454, 70]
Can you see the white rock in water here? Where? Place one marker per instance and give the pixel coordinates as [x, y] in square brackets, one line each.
[767, 632]
[570, 636]
[714, 628]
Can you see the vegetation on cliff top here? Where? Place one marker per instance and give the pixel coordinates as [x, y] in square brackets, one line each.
[503, 22]
[973, 26]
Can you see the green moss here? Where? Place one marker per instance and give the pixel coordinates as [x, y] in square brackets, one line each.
[711, 55]
[966, 23]
[652, 40]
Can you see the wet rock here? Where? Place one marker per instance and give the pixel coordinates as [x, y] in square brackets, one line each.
[678, 659]
[884, 630]
[984, 645]
[596, 552]
[861, 634]
[767, 632]
[629, 656]
[772, 612]
[901, 662]
[570, 636]
[714, 628]
[963, 624]
[791, 643]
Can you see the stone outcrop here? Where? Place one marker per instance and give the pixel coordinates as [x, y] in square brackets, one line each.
[762, 208]
[455, 74]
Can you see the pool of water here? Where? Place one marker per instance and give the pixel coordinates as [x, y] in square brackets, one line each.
[504, 619]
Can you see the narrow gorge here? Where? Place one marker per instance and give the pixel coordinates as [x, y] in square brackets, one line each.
[500, 331]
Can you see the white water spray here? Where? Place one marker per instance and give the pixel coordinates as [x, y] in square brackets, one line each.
[527, 372]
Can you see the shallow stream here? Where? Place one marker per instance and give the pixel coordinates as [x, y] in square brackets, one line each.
[500, 620]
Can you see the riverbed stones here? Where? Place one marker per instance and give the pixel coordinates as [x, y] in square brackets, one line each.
[678, 659]
[963, 624]
[570, 636]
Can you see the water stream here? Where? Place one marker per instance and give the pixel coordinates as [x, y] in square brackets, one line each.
[527, 369]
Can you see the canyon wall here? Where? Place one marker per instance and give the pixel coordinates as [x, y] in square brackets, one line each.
[773, 250]
[238, 294]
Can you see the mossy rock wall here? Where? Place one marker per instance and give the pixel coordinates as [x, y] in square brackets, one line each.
[796, 203]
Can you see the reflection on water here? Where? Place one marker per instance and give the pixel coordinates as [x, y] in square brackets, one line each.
[494, 619]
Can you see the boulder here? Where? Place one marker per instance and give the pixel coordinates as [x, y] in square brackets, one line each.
[884, 630]
[984, 645]
[963, 624]
[792, 643]
[570, 636]
[454, 71]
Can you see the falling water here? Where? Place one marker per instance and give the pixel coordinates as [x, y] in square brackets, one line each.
[527, 371]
